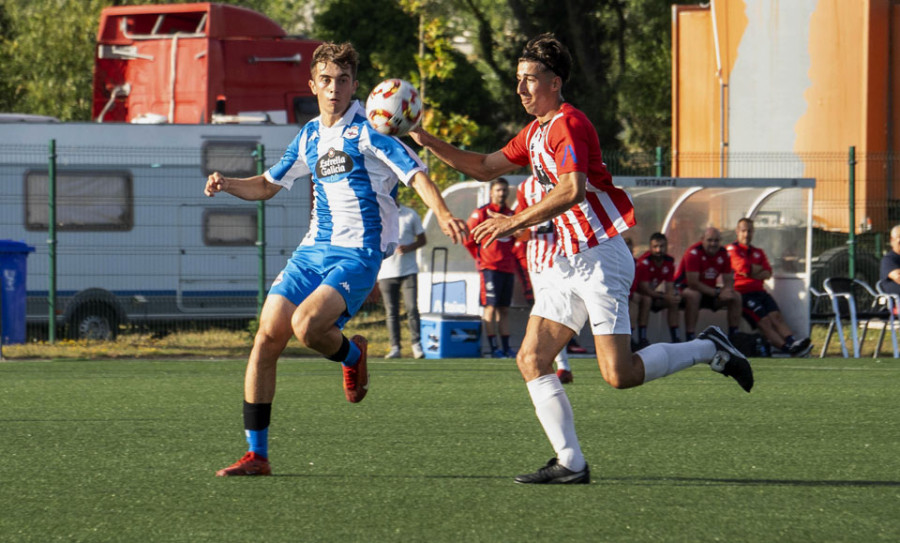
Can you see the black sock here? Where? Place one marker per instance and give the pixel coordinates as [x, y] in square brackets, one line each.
[257, 415]
[504, 340]
[341, 353]
[673, 333]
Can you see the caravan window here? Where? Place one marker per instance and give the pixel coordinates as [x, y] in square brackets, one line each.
[233, 226]
[230, 158]
[85, 201]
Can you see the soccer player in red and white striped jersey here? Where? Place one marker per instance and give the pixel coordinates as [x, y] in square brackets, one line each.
[540, 248]
[594, 270]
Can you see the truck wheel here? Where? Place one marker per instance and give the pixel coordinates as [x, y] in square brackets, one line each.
[97, 324]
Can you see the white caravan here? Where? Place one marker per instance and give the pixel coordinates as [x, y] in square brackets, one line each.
[137, 241]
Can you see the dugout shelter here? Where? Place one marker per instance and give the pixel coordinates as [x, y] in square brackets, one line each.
[681, 208]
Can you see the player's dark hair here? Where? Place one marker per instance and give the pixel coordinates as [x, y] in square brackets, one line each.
[550, 52]
[746, 220]
[658, 236]
[499, 181]
[342, 54]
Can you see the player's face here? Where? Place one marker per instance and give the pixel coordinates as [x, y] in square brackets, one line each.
[744, 233]
[538, 89]
[711, 241]
[658, 248]
[499, 192]
[333, 86]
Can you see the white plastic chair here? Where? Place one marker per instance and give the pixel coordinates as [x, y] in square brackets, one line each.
[845, 293]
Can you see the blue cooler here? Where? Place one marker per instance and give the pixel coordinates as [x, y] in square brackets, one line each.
[451, 336]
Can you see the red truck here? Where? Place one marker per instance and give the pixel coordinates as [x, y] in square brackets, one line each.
[199, 63]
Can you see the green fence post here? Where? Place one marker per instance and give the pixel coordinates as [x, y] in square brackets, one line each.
[51, 243]
[261, 233]
[659, 162]
[851, 238]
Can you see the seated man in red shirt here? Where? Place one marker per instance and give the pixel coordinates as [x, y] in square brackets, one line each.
[654, 275]
[697, 276]
[751, 268]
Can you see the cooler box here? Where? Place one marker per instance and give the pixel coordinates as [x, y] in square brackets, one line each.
[451, 336]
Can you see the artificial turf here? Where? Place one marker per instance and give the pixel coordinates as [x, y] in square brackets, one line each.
[126, 451]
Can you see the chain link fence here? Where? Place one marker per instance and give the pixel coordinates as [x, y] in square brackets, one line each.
[140, 248]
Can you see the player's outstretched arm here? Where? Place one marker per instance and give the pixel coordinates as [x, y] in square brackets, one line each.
[476, 165]
[248, 188]
[454, 228]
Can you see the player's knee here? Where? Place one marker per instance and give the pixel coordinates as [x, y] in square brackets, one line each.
[303, 329]
[528, 364]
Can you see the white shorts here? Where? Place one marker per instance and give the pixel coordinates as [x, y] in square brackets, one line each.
[590, 285]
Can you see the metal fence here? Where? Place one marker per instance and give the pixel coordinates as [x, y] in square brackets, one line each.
[138, 247]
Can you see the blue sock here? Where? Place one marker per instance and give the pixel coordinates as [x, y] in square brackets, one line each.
[353, 355]
[258, 441]
[504, 340]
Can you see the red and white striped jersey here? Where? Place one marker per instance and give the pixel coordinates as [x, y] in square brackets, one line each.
[565, 144]
[541, 244]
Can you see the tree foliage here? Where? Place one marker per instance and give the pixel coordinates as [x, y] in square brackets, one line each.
[621, 49]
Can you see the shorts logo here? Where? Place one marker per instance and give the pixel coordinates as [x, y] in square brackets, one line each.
[333, 163]
[345, 285]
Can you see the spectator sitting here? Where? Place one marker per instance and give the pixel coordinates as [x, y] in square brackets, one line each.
[698, 272]
[890, 264]
[751, 268]
[655, 275]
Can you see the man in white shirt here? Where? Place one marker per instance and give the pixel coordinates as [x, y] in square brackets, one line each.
[399, 272]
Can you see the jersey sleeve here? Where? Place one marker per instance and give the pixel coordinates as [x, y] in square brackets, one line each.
[725, 267]
[691, 262]
[516, 150]
[568, 140]
[470, 244]
[291, 166]
[521, 203]
[394, 154]
[417, 224]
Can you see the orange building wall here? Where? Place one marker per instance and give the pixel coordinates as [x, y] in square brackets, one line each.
[852, 77]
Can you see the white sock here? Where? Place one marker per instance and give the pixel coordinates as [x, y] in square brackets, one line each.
[555, 414]
[661, 359]
[562, 360]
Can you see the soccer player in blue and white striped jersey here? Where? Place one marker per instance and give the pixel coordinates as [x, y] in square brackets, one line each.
[354, 226]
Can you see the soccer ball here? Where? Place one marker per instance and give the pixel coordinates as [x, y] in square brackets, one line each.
[394, 107]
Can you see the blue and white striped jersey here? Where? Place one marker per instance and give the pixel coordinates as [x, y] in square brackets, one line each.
[355, 171]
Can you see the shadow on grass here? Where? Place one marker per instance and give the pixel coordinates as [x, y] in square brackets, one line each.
[706, 481]
[642, 481]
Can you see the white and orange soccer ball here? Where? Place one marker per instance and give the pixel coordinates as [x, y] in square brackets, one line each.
[394, 107]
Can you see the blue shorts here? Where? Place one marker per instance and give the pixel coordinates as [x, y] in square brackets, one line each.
[350, 271]
[497, 288]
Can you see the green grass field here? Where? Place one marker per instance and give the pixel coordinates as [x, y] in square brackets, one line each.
[126, 451]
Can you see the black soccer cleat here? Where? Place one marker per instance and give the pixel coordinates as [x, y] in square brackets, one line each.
[556, 474]
[799, 349]
[728, 360]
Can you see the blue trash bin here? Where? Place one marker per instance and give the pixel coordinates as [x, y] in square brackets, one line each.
[13, 271]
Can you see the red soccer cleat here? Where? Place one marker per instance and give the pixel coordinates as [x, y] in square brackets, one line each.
[356, 378]
[565, 376]
[250, 464]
